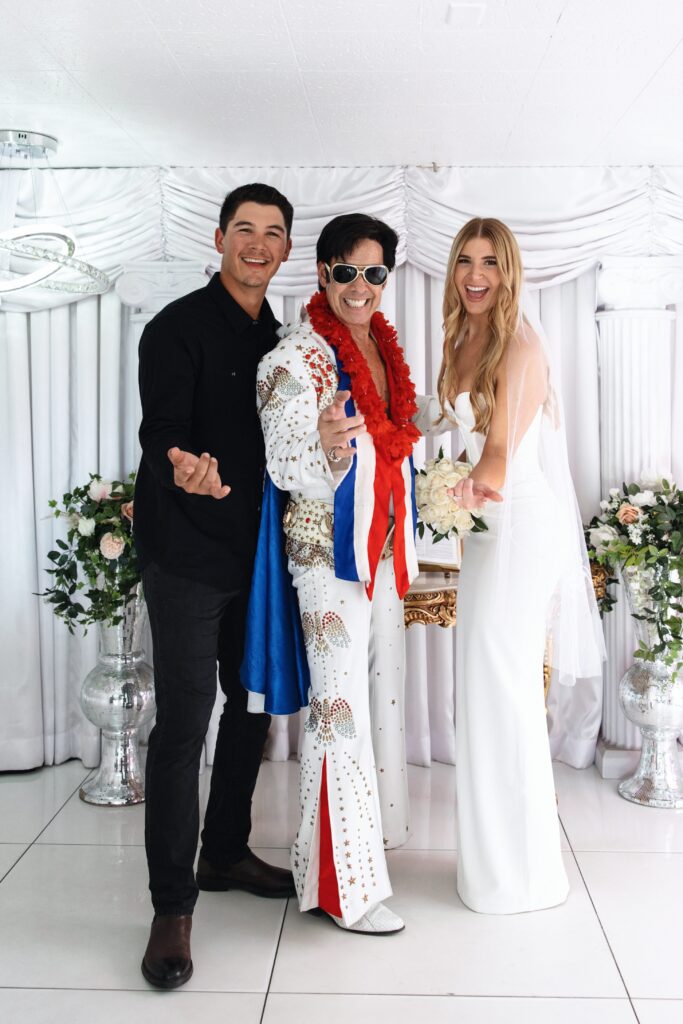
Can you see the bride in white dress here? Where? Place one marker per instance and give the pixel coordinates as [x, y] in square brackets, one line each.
[527, 577]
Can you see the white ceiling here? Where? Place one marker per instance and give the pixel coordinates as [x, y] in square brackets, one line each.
[346, 82]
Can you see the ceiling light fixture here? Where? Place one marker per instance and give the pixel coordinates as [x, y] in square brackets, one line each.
[19, 150]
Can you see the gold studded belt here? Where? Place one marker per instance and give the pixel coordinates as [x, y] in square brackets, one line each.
[311, 521]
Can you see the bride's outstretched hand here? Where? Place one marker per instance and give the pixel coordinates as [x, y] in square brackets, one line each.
[472, 495]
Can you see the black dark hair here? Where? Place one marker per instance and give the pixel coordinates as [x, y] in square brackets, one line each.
[266, 195]
[341, 235]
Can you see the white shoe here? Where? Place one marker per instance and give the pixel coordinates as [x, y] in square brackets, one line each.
[378, 920]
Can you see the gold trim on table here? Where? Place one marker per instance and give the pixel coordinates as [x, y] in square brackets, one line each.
[431, 608]
[432, 598]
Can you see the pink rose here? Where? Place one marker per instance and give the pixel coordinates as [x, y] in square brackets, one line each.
[99, 490]
[127, 511]
[627, 514]
[112, 546]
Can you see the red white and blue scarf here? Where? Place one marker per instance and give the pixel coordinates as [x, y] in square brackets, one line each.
[382, 470]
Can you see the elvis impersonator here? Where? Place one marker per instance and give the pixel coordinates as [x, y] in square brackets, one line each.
[340, 417]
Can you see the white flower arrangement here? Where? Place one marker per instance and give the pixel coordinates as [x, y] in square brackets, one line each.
[601, 537]
[640, 526]
[436, 510]
[97, 560]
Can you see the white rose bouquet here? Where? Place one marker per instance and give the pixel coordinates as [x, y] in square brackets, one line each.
[96, 562]
[435, 508]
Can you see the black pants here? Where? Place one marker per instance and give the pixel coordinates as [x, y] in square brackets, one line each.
[193, 626]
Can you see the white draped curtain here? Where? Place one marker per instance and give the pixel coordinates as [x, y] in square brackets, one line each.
[565, 218]
[66, 381]
[68, 378]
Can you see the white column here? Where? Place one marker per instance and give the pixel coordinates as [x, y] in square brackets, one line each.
[635, 355]
[677, 422]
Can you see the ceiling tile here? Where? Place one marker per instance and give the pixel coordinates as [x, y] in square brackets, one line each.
[357, 16]
[486, 122]
[239, 149]
[550, 134]
[157, 117]
[19, 48]
[347, 51]
[664, 90]
[229, 51]
[262, 17]
[600, 86]
[615, 34]
[448, 148]
[128, 83]
[496, 16]
[479, 53]
[50, 87]
[648, 119]
[465, 134]
[351, 149]
[656, 143]
[540, 15]
[198, 146]
[449, 15]
[363, 95]
[359, 96]
[359, 82]
[254, 100]
[226, 119]
[105, 49]
[172, 16]
[482, 53]
[443, 148]
[506, 86]
[79, 17]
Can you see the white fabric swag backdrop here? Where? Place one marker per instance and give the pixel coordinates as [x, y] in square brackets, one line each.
[68, 390]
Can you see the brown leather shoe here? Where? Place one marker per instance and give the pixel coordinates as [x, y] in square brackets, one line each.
[167, 962]
[249, 874]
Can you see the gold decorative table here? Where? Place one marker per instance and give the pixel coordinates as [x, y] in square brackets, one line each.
[432, 598]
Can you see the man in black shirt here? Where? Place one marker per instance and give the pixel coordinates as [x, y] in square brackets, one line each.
[197, 505]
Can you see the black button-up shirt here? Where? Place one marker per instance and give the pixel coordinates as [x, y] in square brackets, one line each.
[198, 360]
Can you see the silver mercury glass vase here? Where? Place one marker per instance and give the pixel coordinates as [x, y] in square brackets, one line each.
[651, 695]
[118, 697]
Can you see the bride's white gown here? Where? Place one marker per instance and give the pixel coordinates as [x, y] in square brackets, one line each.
[509, 857]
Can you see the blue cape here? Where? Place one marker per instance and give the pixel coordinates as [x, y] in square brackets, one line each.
[275, 654]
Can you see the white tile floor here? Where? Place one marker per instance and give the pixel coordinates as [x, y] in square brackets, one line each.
[74, 918]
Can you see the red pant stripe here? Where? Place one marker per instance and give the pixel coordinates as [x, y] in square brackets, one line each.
[328, 890]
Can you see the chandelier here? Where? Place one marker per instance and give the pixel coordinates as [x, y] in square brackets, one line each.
[31, 150]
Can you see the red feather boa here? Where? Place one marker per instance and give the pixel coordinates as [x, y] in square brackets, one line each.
[395, 436]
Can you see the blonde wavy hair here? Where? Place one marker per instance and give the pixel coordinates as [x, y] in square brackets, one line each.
[503, 318]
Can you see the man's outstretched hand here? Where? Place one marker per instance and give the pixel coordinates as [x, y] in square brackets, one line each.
[197, 474]
[336, 429]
